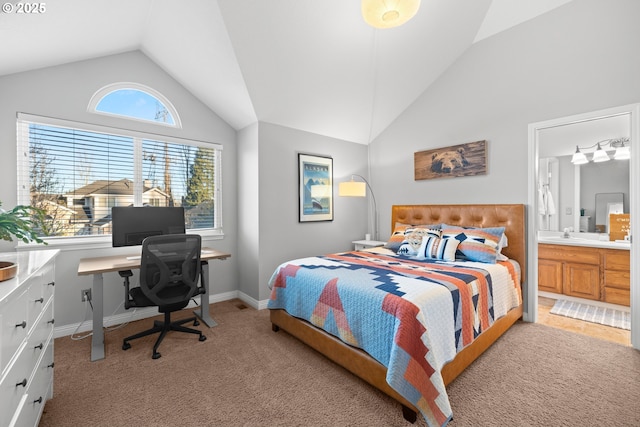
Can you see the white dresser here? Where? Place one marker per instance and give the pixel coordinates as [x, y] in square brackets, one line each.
[26, 337]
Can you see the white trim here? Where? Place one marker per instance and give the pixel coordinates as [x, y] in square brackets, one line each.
[101, 93]
[83, 243]
[633, 110]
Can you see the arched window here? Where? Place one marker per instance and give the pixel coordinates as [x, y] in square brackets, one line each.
[134, 101]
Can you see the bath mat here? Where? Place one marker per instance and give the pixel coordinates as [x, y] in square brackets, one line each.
[604, 316]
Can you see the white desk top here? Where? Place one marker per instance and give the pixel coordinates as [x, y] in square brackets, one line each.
[106, 264]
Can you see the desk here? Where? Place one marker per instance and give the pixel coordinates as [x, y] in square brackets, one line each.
[98, 266]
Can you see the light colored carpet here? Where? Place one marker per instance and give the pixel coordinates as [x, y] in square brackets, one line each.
[604, 316]
[246, 375]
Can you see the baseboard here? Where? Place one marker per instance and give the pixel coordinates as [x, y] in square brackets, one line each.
[258, 305]
[86, 326]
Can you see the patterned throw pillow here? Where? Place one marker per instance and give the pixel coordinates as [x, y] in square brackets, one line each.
[436, 248]
[476, 244]
[397, 238]
[413, 240]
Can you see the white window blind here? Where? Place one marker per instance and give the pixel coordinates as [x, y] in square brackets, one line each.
[77, 172]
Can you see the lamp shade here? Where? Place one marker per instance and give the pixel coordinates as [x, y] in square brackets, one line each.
[352, 189]
[600, 155]
[622, 153]
[579, 158]
[388, 13]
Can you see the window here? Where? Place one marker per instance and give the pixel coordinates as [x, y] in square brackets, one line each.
[76, 173]
[134, 101]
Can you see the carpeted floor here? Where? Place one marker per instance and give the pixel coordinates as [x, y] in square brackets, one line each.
[246, 375]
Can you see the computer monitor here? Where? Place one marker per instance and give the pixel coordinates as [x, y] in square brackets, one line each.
[131, 225]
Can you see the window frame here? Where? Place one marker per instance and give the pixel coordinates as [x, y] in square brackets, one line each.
[23, 120]
[114, 87]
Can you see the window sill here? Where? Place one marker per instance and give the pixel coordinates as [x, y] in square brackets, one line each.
[97, 242]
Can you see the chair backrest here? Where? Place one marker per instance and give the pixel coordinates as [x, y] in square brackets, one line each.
[170, 268]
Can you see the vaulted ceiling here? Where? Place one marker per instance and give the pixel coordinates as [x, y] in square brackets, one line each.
[312, 65]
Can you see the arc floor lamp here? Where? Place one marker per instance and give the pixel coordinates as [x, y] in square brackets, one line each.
[359, 189]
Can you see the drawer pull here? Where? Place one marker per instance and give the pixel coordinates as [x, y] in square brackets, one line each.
[51, 284]
[51, 321]
[39, 346]
[52, 364]
[22, 325]
[38, 400]
[40, 300]
[22, 383]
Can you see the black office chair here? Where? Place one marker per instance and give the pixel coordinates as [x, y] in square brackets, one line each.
[169, 276]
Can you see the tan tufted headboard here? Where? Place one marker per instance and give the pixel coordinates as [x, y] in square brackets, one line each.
[511, 217]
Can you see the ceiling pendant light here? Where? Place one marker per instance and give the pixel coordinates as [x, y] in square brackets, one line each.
[388, 13]
[579, 158]
[600, 155]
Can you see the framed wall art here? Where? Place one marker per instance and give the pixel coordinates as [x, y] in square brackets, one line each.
[456, 160]
[315, 188]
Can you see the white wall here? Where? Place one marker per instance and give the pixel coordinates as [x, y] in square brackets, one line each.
[249, 210]
[64, 92]
[578, 58]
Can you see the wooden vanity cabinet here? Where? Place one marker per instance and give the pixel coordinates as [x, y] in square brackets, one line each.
[584, 272]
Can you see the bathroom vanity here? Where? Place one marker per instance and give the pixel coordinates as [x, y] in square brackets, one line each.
[585, 268]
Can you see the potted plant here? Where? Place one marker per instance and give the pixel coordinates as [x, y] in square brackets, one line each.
[20, 222]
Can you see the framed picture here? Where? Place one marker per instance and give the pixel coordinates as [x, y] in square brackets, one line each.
[315, 187]
[456, 160]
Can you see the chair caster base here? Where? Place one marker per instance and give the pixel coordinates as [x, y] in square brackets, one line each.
[156, 356]
[202, 338]
[196, 323]
[126, 346]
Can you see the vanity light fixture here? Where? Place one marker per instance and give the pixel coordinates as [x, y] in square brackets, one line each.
[600, 155]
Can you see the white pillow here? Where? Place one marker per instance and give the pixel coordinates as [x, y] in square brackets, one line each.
[437, 248]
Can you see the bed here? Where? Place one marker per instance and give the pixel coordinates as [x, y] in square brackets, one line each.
[410, 366]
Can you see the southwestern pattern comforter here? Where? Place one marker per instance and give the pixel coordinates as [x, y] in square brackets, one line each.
[412, 316]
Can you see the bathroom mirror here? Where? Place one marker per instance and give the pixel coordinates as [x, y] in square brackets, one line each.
[607, 203]
[567, 192]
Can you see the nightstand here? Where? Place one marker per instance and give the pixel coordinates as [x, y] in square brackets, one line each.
[364, 244]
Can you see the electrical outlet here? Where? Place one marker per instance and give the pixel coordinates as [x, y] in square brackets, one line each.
[86, 295]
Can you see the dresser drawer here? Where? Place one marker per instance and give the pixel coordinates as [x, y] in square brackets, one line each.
[13, 316]
[582, 255]
[617, 279]
[41, 334]
[39, 390]
[616, 260]
[617, 296]
[13, 387]
[40, 291]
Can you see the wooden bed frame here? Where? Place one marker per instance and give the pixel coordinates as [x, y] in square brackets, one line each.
[358, 362]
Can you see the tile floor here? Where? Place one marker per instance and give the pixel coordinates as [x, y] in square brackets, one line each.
[608, 333]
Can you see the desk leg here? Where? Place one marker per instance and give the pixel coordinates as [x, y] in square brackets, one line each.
[97, 339]
[204, 298]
